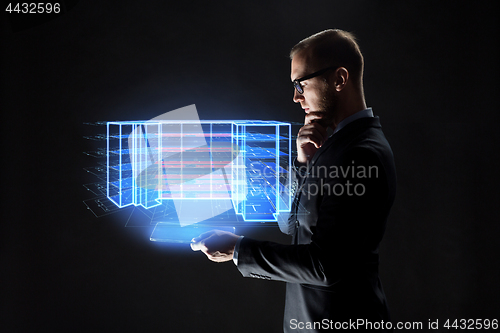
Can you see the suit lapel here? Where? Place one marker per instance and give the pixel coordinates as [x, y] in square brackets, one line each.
[349, 130]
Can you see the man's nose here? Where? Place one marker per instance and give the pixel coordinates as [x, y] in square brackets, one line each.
[297, 97]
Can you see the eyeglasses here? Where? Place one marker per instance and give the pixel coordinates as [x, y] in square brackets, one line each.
[296, 82]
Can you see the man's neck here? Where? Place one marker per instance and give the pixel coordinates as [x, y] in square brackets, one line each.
[348, 110]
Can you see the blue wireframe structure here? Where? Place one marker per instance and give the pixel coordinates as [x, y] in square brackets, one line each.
[246, 162]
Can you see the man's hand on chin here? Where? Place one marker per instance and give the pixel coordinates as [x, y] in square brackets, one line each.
[312, 135]
[216, 244]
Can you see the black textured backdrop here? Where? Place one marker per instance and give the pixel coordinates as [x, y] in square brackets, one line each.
[431, 75]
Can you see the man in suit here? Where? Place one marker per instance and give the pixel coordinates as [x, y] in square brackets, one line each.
[345, 184]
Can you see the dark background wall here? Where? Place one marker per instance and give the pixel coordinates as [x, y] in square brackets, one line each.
[431, 75]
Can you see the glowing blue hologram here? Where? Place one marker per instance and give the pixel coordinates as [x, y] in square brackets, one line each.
[180, 174]
[235, 161]
[100, 207]
[205, 168]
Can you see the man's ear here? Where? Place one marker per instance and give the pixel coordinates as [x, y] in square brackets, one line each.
[341, 76]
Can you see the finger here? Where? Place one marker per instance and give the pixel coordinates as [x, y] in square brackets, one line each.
[314, 126]
[218, 257]
[213, 255]
[196, 246]
[199, 246]
[212, 258]
[309, 138]
[311, 135]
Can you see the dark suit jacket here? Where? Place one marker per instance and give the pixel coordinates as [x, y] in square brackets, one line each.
[331, 268]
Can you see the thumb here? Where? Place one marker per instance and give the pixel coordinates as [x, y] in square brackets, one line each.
[198, 246]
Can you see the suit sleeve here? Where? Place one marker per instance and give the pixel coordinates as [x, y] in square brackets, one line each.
[346, 234]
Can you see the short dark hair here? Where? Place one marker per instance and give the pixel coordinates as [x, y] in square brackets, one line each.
[334, 47]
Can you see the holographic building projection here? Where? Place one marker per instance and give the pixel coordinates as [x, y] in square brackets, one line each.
[203, 167]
